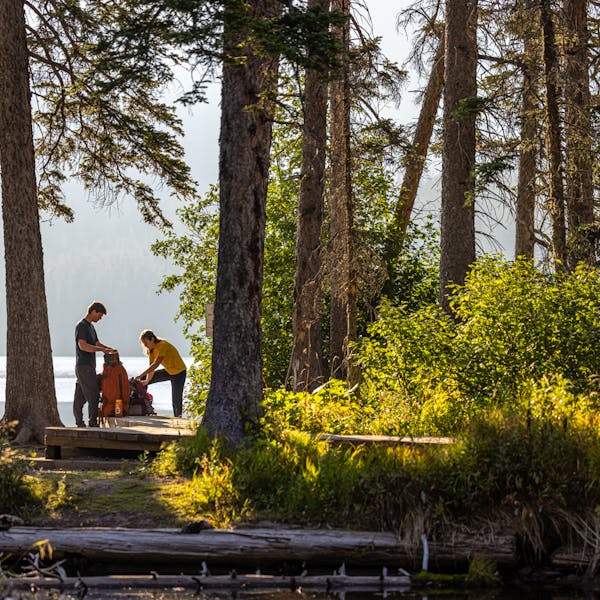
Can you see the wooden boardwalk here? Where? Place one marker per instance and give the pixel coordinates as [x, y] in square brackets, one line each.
[146, 434]
[124, 433]
[385, 440]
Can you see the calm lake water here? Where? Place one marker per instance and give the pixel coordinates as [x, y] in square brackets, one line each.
[64, 381]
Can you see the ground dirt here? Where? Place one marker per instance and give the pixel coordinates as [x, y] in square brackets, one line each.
[120, 495]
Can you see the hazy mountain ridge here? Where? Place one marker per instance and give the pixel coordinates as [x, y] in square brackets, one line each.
[105, 255]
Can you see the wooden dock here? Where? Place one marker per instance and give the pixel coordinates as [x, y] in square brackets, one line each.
[147, 434]
[139, 434]
[385, 440]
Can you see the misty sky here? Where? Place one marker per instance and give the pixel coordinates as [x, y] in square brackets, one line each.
[105, 254]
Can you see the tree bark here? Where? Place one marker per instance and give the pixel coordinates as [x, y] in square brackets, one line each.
[553, 137]
[528, 152]
[342, 267]
[236, 389]
[415, 160]
[30, 393]
[306, 366]
[257, 546]
[578, 128]
[458, 158]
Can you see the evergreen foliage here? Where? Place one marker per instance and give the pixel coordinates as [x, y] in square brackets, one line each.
[98, 81]
[100, 71]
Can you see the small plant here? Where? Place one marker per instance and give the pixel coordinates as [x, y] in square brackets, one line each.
[332, 408]
[482, 573]
[14, 493]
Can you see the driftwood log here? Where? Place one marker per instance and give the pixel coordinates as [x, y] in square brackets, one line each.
[255, 547]
[217, 582]
[576, 558]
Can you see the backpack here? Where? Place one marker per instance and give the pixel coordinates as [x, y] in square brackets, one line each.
[140, 401]
[114, 384]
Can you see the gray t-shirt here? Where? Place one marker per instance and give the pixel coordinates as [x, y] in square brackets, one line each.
[85, 331]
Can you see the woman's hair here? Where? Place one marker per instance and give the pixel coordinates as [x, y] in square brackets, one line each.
[148, 334]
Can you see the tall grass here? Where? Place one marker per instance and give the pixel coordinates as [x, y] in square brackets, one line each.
[525, 473]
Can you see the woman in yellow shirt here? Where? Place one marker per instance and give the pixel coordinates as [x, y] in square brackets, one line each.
[161, 352]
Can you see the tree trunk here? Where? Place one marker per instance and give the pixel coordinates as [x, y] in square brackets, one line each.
[30, 393]
[458, 159]
[415, 160]
[236, 389]
[528, 153]
[578, 128]
[306, 367]
[342, 265]
[553, 136]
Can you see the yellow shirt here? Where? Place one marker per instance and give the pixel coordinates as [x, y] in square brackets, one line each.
[171, 360]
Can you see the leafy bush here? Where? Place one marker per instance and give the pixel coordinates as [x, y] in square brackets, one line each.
[331, 408]
[521, 325]
[14, 494]
[514, 327]
[526, 469]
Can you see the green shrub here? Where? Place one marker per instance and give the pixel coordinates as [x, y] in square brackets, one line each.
[536, 470]
[519, 325]
[14, 494]
[514, 327]
[332, 408]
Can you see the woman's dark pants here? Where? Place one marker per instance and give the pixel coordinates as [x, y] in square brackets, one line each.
[177, 383]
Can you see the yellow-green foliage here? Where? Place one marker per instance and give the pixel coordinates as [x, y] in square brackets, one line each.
[14, 493]
[332, 408]
[543, 461]
[514, 379]
[515, 328]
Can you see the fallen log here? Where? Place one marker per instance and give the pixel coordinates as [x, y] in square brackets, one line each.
[254, 547]
[216, 582]
[576, 558]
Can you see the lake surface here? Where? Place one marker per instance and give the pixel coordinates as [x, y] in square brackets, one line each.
[64, 381]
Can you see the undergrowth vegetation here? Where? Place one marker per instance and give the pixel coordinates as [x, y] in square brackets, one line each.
[514, 379]
[14, 491]
[524, 473]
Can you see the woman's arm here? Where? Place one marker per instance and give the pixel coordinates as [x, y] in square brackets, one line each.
[150, 370]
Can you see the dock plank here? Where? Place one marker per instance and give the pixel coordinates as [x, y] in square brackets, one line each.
[126, 433]
[385, 440]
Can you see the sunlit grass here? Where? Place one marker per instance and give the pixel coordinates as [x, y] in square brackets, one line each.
[110, 498]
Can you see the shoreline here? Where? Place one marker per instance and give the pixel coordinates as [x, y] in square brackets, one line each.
[374, 561]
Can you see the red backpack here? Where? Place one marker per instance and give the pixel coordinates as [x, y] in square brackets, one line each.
[140, 401]
[114, 385]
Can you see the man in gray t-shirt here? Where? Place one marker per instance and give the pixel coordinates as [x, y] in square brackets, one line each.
[86, 346]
